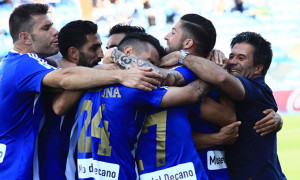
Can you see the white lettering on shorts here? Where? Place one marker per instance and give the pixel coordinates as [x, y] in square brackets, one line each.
[181, 171]
[216, 160]
[89, 168]
[2, 152]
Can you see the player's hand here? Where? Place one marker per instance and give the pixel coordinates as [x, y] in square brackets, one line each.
[140, 78]
[107, 59]
[272, 122]
[228, 134]
[170, 59]
[218, 57]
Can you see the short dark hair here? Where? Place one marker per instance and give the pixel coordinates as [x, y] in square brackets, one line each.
[201, 30]
[125, 28]
[74, 34]
[21, 19]
[262, 48]
[139, 40]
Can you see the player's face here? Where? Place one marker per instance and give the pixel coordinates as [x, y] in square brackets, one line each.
[91, 52]
[150, 55]
[114, 40]
[44, 37]
[241, 60]
[174, 38]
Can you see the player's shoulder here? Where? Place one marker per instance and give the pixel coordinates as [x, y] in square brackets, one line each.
[35, 57]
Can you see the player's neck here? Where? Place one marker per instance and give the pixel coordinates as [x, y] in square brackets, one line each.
[22, 49]
[64, 63]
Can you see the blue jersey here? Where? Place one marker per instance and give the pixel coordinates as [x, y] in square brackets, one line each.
[253, 155]
[21, 110]
[213, 158]
[54, 144]
[68, 136]
[166, 148]
[106, 129]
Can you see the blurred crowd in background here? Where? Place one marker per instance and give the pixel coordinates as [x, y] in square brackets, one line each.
[277, 20]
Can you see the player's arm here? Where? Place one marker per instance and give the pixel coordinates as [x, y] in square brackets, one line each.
[106, 67]
[210, 72]
[131, 78]
[66, 100]
[270, 123]
[188, 94]
[227, 135]
[220, 113]
[123, 61]
[75, 78]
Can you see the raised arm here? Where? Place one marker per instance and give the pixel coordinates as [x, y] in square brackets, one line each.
[123, 61]
[209, 72]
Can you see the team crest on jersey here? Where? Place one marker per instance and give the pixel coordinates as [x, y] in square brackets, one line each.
[2, 152]
[41, 61]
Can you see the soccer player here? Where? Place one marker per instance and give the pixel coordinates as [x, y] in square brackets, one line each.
[119, 31]
[107, 117]
[178, 144]
[252, 156]
[24, 76]
[80, 45]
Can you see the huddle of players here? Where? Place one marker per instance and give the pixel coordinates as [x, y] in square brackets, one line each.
[107, 116]
[112, 121]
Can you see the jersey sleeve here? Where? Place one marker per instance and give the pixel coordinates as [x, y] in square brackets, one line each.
[188, 75]
[30, 72]
[144, 98]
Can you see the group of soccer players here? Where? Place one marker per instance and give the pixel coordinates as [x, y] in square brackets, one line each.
[61, 120]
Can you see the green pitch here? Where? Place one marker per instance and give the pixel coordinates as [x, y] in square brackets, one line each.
[288, 144]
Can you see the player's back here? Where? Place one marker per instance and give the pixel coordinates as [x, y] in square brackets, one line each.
[106, 125]
[166, 148]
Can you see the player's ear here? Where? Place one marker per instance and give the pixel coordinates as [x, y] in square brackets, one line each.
[25, 37]
[128, 50]
[188, 43]
[73, 54]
